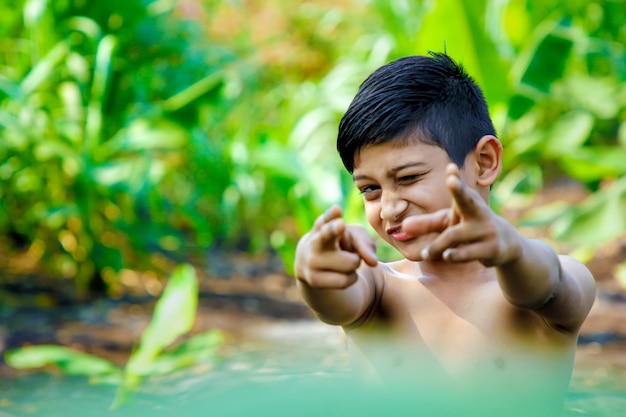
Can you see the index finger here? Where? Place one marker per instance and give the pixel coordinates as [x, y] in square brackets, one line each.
[330, 233]
[467, 202]
[332, 213]
[357, 240]
[427, 223]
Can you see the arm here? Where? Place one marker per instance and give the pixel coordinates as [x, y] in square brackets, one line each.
[530, 273]
[333, 269]
[558, 288]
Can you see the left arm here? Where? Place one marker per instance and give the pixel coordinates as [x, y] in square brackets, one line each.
[558, 288]
[531, 275]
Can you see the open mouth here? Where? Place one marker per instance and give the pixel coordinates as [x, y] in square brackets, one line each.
[397, 233]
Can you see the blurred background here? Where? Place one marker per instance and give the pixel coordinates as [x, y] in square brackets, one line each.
[139, 135]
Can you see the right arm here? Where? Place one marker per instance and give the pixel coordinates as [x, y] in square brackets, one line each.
[333, 268]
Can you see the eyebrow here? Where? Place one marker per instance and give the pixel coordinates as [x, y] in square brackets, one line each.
[392, 171]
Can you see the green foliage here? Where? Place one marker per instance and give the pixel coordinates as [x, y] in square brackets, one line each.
[68, 361]
[173, 317]
[564, 117]
[129, 130]
[95, 126]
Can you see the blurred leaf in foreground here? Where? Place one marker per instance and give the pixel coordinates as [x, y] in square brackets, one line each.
[69, 361]
[174, 315]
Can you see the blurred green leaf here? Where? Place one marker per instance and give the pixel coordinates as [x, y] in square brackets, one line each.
[469, 43]
[14, 135]
[278, 160]
[70, 361]
[569, 133]
[85, 25]
[621, 136]
[193, 92]
[143, 135]
[43, 70]
[101, 75]
[544, 215]
[594, 164]
[599, 219]
[131, 174]
[46, 150]
[200, 348]
[548, 58]
[174, 315]
[594, 94]
[11, 89]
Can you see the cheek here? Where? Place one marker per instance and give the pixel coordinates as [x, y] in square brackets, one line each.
[440, 201]
[435, 197]
[372, 212]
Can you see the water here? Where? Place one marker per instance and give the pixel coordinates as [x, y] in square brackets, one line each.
[266, 376]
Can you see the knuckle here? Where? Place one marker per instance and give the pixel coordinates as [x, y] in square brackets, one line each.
[348, 280]
[354, 263]
[348, 263]
[314, 282]
[316, 263]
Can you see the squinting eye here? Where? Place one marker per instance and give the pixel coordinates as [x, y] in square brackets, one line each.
[408, 178]
[368, 189]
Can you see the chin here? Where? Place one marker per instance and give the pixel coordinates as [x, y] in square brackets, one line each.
[412, 250]
[412, 255]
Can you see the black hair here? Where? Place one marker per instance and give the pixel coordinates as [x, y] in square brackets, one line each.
[429, 97]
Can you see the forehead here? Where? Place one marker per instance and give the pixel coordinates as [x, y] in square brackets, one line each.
[389, 155]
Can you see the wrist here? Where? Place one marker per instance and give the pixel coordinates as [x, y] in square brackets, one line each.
[512, 246]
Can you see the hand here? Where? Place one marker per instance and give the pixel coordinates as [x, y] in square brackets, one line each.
[329, 255]
[469, 230]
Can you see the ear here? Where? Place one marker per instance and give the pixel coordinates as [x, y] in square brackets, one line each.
[488, 155]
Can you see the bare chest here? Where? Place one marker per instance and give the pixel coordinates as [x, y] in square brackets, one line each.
[472, 332]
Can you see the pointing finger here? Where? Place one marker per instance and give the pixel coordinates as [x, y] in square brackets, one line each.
[367, 252]
[332, 213]
[467, 202]
[426, 223]
[331, 232]
[356, 239]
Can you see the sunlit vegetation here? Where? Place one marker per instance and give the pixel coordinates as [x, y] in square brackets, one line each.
[160, 352]
[140, 134]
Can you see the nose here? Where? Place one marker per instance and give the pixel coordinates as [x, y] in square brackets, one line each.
[392, 206]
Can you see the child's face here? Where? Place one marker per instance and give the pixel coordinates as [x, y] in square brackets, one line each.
[398, 181]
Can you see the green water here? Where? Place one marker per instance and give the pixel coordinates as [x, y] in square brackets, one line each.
[226, 393]
[294, 371]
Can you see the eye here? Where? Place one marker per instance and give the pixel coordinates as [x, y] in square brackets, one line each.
[408, 179]
[368, 189]
[370, 192]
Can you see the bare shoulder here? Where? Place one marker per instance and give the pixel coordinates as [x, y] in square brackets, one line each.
[389, 284]
[573, 264]
[384, 274]
[576, 270]
[572, 302]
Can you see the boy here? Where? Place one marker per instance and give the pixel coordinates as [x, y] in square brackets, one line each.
[473, 304]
